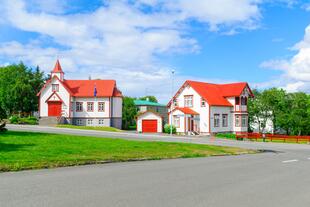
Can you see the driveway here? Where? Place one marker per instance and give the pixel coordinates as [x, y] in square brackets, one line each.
[276, 178]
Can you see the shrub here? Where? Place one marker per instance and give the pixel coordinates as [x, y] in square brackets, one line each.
[226, 135]
[167, 129]
[28, 120]
[14, 119]
[133, 127]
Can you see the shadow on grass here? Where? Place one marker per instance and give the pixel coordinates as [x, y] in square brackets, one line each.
[13, 147]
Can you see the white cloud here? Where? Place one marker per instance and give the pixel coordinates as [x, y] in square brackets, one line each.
[296, 71]
[118, 39]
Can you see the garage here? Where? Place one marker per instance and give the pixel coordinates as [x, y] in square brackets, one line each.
[149, 122]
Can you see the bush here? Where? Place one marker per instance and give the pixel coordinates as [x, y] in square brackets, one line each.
[14, 119]
[133, 127]
[167, 129]
[28, 120]
[226, 135]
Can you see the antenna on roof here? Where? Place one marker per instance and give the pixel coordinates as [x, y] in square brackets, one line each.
[89, 77]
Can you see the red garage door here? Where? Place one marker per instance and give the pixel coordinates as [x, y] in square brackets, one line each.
[149, 126]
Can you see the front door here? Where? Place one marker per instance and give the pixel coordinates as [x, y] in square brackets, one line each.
[54, 108]
[190, 124]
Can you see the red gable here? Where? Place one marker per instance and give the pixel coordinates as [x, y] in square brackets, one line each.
[85, 88]
[215, 94]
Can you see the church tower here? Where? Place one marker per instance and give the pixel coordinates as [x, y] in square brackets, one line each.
[57, 71]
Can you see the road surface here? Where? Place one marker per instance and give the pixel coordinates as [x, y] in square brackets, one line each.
[279, 177]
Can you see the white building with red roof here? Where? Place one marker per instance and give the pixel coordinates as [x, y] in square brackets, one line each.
[207, 108]
[80, 102]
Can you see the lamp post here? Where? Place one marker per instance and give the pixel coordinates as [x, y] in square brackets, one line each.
[172, 101]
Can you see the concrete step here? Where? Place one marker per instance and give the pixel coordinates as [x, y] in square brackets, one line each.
[48, 121]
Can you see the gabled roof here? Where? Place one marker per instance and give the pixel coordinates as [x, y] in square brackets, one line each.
[146, 103]
[54, 93]
[57, 68]
[186, 110]
[215, 94]
[85, 88]
[150, 111]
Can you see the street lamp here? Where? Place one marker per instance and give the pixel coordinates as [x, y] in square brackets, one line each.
[172, 101]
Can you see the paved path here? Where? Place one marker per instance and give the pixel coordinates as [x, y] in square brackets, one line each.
[277, 178]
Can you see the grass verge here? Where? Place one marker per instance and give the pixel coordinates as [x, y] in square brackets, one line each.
[107, 129]
[25, 150]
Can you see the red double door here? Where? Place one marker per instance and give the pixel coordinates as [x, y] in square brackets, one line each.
[54, 108]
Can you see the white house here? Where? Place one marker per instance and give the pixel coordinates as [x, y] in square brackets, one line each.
[206, 108]
[80, 102]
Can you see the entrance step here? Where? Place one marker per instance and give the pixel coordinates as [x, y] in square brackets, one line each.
[48, 121]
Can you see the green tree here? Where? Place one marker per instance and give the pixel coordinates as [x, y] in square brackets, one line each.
[18, 88]
[259, 111]
[150, 98]
[274, 101]
[298, 113]
[129, 112]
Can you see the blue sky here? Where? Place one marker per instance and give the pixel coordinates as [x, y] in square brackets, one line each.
[138, 43]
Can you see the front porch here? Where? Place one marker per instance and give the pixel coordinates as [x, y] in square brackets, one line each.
[186, 121]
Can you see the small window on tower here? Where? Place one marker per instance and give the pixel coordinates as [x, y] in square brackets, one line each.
[55, 87]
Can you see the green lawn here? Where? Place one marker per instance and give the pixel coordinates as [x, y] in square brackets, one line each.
[108, 129]
[25, 150]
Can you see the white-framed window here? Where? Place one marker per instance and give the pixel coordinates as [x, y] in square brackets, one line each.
[101, 106]
[244, 121]
[79, 122]
[203, 103]
[225, 120]
[90, 106]
[237, 120]
[89, 122]
[175, 102]
[55, 87]
[216, 120]
[176, 121]
[101, 121]
[188, 101]
[79, 106]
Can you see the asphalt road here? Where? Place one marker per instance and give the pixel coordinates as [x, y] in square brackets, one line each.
[276, 178]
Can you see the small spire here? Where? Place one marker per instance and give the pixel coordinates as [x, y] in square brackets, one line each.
[57, 68]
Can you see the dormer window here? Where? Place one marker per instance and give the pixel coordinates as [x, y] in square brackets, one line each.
[188, 101]
[55, 87]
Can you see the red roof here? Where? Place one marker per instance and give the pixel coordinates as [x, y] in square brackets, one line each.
[86, 88]
[57, 68]
[215, 94]
[186, 110]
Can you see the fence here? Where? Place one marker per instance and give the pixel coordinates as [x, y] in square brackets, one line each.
[272, 137]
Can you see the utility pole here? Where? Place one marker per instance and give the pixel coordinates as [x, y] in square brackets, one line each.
[172, 101]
